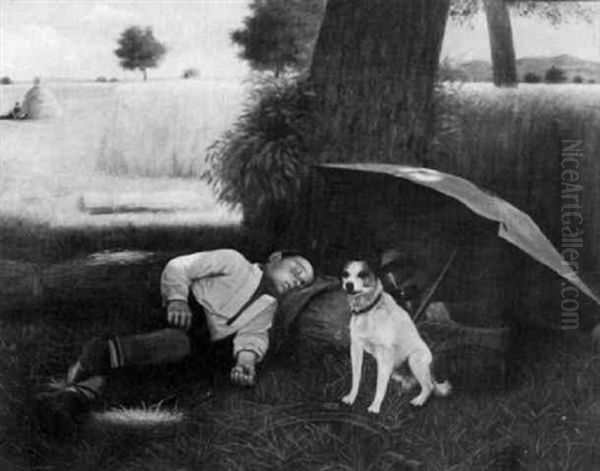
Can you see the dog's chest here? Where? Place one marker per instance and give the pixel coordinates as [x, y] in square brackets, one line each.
[372, 331]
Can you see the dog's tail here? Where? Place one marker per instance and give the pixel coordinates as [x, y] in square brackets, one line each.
[442, 389]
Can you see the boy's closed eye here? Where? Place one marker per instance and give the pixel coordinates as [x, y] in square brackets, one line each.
[300, 274]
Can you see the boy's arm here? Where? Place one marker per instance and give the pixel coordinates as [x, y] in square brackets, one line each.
[254, 336]
[180, 272]
[250, 345]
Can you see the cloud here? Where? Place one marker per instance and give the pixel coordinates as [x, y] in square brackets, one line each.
[36, 50]
[104, 14]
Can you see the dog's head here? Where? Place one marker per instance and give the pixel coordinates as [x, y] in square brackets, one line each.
[359, 278]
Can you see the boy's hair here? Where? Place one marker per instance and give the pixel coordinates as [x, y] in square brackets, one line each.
[286, 253]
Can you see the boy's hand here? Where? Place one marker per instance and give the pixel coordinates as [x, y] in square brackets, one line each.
[244, 372]
[179, 314]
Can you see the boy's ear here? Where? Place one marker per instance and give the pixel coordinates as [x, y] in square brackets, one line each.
[275, 257]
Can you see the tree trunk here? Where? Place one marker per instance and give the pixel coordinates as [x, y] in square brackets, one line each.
[145, 74]
[373, 71]
[501, 43]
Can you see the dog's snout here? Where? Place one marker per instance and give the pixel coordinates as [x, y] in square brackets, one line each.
[349, 286]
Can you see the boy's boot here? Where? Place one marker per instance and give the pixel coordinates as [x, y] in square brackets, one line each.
[94, 360]
[59, 413]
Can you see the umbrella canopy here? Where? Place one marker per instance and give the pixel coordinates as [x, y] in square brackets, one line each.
[515, 226]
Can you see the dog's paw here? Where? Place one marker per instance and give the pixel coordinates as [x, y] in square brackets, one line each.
[349, 399]
[418, 401]
[374, 408]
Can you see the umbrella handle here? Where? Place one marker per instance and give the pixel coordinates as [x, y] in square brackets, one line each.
[434, 287]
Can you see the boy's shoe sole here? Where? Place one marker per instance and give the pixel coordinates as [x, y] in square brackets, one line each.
[60, 413]
[77, 373]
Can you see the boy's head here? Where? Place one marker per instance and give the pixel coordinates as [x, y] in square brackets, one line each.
[288, 270]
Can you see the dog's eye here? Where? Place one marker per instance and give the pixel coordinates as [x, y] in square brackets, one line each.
[345, 274]
[363, 274]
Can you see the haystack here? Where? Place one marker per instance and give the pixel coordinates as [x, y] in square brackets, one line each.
[40, 102]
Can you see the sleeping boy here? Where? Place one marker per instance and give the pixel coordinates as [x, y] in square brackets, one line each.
[239, 300]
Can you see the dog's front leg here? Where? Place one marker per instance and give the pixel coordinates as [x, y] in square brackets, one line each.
[356, 357]
[385, 366]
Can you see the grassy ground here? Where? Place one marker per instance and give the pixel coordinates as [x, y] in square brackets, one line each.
[174, 418]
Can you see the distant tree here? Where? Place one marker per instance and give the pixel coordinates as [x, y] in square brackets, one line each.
[101, 78]
[113, 80]
[500, 30]
[504, 66]
[531, 77]
[5, 80]
[591, 81]
[190, 72]
[139, 49]
[578, 79]
[555, 75]
[280, 33]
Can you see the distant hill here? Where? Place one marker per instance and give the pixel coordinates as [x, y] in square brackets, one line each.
[477, 70]
[481, 71]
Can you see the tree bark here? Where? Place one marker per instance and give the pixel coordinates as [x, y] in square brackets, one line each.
[501, 43]
[145, 74]
[373, 71]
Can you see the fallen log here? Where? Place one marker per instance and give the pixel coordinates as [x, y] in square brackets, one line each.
[127, 275]
[135, 202]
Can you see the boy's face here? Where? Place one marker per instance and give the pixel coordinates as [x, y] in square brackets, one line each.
[289, 273]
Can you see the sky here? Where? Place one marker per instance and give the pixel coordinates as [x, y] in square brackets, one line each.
[76, 38]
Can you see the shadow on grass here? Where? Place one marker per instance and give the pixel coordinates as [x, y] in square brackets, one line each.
[33, 242]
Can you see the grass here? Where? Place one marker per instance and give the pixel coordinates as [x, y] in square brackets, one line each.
[181, 119]
[172, 418]
[512, 141]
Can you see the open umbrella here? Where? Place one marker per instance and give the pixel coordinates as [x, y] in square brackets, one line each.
[514, 225]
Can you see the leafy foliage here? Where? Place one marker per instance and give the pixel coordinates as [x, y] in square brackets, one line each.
[532, 77]
[190, 72]
[139, 49]
[555, 75]
[557, 12]
[5, 80]
[280, 33]
[554, 12]
[262, 161]
[578, 79]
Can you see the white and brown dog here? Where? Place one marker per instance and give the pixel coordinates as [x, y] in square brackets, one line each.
[382, 328]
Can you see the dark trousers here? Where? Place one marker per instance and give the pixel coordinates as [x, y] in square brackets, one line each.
[172, 345]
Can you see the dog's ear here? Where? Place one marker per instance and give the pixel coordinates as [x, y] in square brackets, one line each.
[371, 258]
[341, 266]
[380, 272]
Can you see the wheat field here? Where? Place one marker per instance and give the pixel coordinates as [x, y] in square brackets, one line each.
[114, 138]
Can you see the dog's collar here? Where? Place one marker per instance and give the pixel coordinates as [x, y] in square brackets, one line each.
[369, 306]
